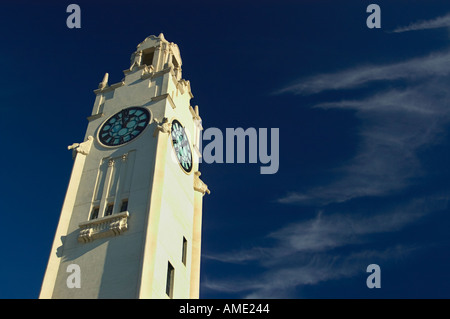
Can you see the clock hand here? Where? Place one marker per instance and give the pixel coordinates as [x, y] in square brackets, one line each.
[125, 117]
[128, 118]
[122, 117]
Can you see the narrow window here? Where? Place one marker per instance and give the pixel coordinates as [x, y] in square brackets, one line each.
[147, 58]
[169, 283]
[94, 213]
[124, 206]
[109, 209]
[184, 251]
[175, 62]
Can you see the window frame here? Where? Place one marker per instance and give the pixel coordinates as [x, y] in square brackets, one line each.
[170, 280]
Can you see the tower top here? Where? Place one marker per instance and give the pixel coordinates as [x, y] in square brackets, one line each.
[148, 52]
[154, 57]
[151, 41]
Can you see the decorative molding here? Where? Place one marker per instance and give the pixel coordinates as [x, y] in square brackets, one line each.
[133, 68]
[160, 73]
[104, 83]
[112, 225]
[197, 129]
[172, 103]
[195, 114]
[152, 37]
[159, 97]
[117, 85]
[95, 116]
[199, 186]
[137, 59]
[162, 97]
[162, 126]
[147, 72]
[81, 148]
[187, 84]
[112, 87]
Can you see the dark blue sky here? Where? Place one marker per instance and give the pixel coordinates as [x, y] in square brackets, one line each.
[363, 115]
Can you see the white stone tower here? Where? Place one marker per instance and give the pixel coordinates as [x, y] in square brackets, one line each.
[130, 225]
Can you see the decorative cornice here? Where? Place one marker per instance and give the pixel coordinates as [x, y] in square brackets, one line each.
[185, 85]
[110, 88]
[112, 225]
[195, 114]
[164, 96]
[95, 116]
[162, 72]
[134, 67]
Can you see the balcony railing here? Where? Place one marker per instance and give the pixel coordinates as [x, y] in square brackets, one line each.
[112, 225]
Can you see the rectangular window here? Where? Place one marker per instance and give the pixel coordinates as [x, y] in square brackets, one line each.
[175, 62]
[170, 277]
[94, 213]
[109, 209]
[124, 206]
[184, 251]
[147, 58]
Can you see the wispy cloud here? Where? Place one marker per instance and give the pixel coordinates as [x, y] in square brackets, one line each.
[329, 231]
[440, 22]
[309, 252]
[414, 69]
[281, 281]
[394, 125]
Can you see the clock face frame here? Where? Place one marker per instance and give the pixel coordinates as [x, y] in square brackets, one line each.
[124, 126]
[181, 146]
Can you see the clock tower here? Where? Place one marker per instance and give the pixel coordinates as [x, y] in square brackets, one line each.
[130, 225]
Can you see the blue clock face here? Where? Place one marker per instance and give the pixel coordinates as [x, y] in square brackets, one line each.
[181, 146]
[124, 126]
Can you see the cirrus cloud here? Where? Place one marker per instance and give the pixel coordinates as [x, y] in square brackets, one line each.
[436, 23]
[436, 64]
[394, 125]
[326, 247]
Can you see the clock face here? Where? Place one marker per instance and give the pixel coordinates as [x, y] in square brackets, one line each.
[181, 146]
[124, 126]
